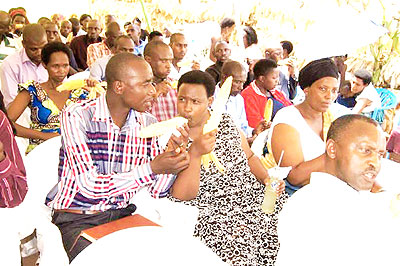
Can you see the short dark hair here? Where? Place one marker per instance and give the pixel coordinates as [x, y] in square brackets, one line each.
[251, 35]
[54, 47]
[137, 20]
[199, 77]
[83, 17]
[127, 24]
[151, 47]
[117, 67]
[287, 45]
[154, 34]
[226, 23]
[338, 127]
[263, 67]
[364, 75]
[74, 22]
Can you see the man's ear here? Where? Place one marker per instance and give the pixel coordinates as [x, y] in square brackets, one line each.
[118, 87]
[147, 58]
[331, 148]
[210, 101]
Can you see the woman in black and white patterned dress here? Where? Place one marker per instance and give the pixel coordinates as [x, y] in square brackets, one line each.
[230, 219]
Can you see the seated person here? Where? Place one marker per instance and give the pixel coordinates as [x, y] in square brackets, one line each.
[393, 145]
[122, 44]
[13, 187]
[346, 97]
[335, 220]
[300, 130]
[43, 99]
[235, 105]
[103, 162]
[368, 98]
[222, 53]
[256, 95]
[230, 219]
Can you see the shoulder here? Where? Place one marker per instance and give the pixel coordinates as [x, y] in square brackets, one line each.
[77, 40]
[28, 86]
[81, 109]
[247, 91]
[146, 118]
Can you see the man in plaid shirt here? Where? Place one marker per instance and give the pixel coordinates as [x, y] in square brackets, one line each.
[103, 162]
[159, 56]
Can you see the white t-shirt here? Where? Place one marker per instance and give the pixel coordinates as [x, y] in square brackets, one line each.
[371, 94]
[329, 223]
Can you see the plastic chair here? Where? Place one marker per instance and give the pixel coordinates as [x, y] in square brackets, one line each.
[388, 101]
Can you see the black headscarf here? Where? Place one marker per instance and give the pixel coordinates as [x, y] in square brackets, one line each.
[316, 70]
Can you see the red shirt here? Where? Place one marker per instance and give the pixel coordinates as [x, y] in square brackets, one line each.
[13, 186]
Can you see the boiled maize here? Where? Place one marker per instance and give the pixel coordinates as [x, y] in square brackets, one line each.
[161, 128]
[268, 110]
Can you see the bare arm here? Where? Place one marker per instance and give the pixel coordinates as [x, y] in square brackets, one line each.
[286, 138]
[360, 105]
[186, 185]
[255, 164]
[15, 110]
[212, 49]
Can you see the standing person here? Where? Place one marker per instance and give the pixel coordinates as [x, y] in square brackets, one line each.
[103, 162]
[25, 64]
[227, 26]
[179, 46]
[222, 54]
[143, 33]
[98, 50]
[80, 44]
[159, 56]
[335, 220]
[43, 99]
[230, 220]
[266, 75]
[300, 130]
[287, 75]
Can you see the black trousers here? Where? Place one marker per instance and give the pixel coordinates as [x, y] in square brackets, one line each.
[71, 225]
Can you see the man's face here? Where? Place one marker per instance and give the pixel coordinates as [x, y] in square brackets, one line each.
[271, 80]
[124, 45]
[357, 85]
[34, 48]
[133, 31]
[84, 23]
[222, 52]
[111, 36]
[275, 54]
[93, 29]
[138, 91]
[52, 33]
[5, 25]
[179, 47]
[193, 103]
[359, 154]
[239, 78]
[161, 61]
[66, 28]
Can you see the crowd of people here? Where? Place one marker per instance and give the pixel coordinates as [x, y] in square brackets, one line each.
[322, 126]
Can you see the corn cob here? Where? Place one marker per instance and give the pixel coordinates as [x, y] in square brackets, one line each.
[268, 110]
[213, 121]
[161, 128]
[80, 83]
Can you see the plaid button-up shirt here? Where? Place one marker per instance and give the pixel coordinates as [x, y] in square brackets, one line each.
[102, 166]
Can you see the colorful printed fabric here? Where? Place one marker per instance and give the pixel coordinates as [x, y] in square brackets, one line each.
[45, 115]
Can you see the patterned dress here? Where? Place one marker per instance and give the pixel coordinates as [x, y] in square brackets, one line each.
[45, 115]
[230, 219]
